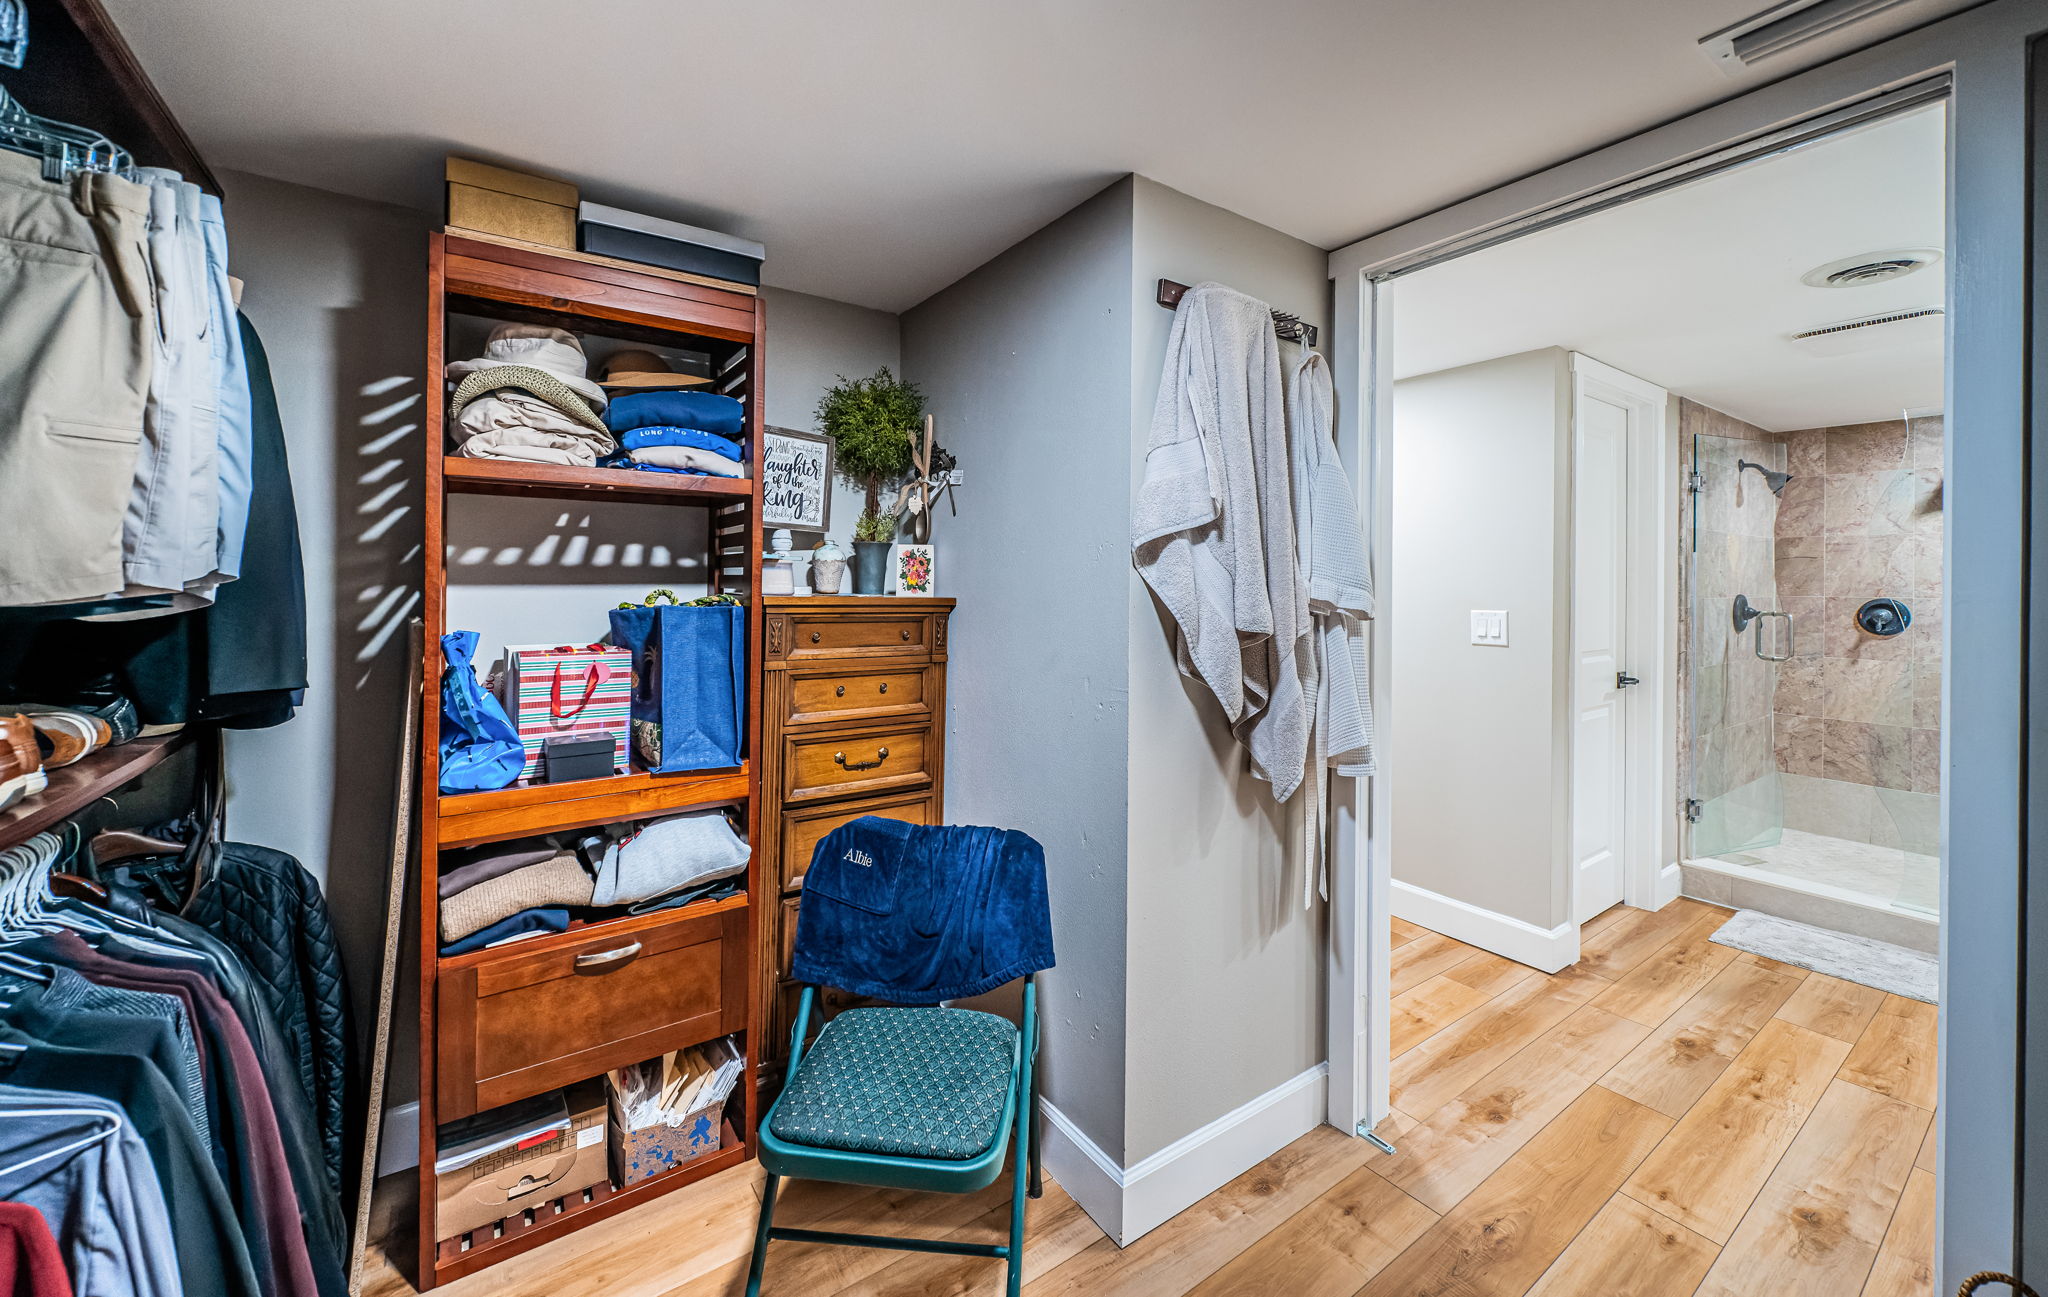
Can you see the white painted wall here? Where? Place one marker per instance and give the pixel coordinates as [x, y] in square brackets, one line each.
[1225, 964]
[1481, 473]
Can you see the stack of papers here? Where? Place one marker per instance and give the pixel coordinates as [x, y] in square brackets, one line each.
[669, 1090]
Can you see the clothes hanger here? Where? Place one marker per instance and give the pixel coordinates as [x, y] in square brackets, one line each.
[111, 1126]
[112, 845]
[63, 148]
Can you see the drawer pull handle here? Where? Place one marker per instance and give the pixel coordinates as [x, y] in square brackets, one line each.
[839, 692]
[601, 958]
[885, 687]
[905, 632]
[816, 636]
[881, 755]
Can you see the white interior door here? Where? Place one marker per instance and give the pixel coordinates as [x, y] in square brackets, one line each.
[1600, 731]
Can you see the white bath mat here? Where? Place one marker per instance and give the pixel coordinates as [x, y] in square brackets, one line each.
[1853, 959]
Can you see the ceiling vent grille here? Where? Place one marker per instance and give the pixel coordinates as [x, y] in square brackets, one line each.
[1870, 268]
[1869, 322]
[1784, 27]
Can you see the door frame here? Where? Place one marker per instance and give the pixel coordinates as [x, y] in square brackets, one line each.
[1978, 60]
[1649, 875]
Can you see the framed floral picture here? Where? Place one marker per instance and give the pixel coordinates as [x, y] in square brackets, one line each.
[911, 569]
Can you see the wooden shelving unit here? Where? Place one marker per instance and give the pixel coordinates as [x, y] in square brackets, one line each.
[713, 942]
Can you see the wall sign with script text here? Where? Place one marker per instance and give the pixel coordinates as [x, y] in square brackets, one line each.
[796, 480]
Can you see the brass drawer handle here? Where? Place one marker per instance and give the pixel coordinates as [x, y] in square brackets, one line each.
[839, 692]
[885, 687]
[816, 636]
[600, 958]
[881, 755]
[906, 632]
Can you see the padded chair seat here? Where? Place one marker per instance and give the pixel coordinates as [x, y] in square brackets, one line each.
[928, 1083]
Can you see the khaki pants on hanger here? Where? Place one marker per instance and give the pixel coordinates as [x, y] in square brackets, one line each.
[76, 318]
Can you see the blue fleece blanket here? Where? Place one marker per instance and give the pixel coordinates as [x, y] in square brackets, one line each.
[915, 914]
[719, 415]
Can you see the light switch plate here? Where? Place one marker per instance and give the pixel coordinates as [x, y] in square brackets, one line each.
[1490, 627]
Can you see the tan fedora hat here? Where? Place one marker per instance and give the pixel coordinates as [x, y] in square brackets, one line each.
[642, 369]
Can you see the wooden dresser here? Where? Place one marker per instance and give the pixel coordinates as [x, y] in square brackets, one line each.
[853, 723]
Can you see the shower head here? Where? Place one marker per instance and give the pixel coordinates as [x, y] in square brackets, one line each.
[1772, 477]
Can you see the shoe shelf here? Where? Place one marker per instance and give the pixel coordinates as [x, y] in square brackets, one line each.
[711, 949]
[468, 1253]
[523, 810]
[558, 481]
[83, 782]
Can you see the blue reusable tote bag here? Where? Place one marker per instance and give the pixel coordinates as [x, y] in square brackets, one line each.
[689, 684]
[480, 749]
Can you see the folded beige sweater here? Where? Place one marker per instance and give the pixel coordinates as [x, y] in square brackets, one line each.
[560, 881]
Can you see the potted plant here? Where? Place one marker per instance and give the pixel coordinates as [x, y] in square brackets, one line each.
[874, 423]
[872, 536]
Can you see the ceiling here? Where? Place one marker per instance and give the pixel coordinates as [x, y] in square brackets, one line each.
[882, 149]
[1698, 289]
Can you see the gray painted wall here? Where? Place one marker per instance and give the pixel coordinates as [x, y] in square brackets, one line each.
[1226, 966]
[1482, 456]
[1027, 363]
[337, 289]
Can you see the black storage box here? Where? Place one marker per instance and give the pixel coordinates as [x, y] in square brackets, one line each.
[565, 760]
[651, 241]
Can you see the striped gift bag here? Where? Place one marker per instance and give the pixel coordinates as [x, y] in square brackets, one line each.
[554, 691]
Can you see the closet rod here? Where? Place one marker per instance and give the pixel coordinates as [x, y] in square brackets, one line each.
[1287, 326]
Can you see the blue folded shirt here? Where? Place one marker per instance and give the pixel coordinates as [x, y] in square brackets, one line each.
[720, 415]
[667, 435]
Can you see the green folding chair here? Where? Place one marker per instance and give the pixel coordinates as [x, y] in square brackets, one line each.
[928, 1098]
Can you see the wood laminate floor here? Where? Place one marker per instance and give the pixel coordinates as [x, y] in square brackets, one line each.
[1666, 1118]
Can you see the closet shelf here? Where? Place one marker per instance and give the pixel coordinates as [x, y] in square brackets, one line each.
[77, 786]
[552, 1219]
[469, 818]
[504, 477]
[585, 929]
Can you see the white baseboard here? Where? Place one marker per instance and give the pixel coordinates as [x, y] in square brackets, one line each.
[1130, 1202]
[398, 1146]
[1546, 950]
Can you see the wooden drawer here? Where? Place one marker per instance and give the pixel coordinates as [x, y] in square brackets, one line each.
[526, 1018]
[815, 635]
[843, 764]
[873, 693]
[803, 829]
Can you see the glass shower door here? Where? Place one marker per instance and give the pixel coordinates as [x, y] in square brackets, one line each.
[1736, 804]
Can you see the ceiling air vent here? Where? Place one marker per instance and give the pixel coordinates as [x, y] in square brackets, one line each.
[1872, 331]
[1784, 27]
[1869, 268]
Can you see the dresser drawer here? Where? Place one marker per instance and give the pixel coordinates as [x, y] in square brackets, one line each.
[879, 634]
[873, 693]
[517, 1021]
[844, 764]
[803, 829]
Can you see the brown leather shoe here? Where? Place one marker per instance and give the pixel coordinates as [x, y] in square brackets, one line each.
[21, 761]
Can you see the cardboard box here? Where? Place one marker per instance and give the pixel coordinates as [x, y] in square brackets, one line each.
[511, 204]
[526, 1172]
[638, 1154]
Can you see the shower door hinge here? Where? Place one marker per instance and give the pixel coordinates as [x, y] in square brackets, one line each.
[1695, 482]
[1693, 810]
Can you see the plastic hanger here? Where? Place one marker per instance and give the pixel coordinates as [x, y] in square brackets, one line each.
[110, 1128]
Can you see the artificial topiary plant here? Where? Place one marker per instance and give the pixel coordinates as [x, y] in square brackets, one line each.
[874, 423]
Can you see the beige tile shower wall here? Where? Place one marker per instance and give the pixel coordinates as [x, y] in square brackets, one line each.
[1861, 519]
